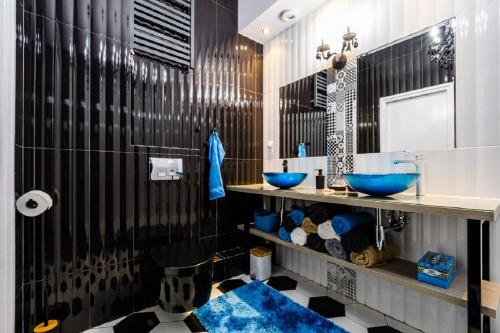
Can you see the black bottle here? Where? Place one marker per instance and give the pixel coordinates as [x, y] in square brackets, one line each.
[320, 180]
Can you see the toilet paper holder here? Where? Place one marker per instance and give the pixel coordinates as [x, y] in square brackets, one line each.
[33, 203]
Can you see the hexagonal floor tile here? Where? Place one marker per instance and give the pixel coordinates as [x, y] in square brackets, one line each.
[282, 283]
[140, 322]
[194, 324]
[296, 297]
[172, 327]
[365, 315]
[383, 329]
[349, 325]
[326, 307]
[229, 285]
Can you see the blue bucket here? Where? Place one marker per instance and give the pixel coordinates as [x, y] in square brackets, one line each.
[265, 220]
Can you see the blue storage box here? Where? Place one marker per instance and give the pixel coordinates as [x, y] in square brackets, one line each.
[437, 269]
[265, 220]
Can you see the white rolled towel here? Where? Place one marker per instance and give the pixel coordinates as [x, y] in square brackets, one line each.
[326, 231]
[299, 236]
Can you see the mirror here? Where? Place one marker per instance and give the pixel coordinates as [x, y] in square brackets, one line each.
[406, 93]
[303, 108]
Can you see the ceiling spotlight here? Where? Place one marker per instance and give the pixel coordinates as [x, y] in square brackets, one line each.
[288, 15]
[265, 30]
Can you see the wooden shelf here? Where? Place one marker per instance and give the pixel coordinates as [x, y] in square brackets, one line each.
[403, 273]
[469, 208]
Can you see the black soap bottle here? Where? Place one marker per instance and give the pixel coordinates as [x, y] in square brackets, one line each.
[320, 180]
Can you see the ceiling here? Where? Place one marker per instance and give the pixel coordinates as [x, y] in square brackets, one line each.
[254, 15]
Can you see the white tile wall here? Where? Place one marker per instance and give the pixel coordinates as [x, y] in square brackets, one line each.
[291, 54]
[471, 170]
[421, 311]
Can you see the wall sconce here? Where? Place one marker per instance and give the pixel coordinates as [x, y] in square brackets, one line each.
[323, 51]
[339, 59]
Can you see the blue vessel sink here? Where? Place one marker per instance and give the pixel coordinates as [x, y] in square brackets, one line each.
[381, 184]
[284, 180]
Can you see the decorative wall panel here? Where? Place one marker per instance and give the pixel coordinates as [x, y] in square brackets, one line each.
[89, 115]
[341, 123]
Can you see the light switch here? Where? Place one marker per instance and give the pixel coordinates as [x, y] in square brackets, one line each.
[166, 168]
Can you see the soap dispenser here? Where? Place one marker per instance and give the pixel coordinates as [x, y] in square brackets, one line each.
[320, 180]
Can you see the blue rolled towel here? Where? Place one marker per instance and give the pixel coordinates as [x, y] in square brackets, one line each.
[284, 235]
[344, 223]
[297, 216]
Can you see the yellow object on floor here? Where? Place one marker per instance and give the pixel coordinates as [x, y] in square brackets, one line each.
[261, 251]
[52, 326]
[309, 226]
[371, 256]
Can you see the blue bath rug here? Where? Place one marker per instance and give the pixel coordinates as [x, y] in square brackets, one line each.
[256, 307]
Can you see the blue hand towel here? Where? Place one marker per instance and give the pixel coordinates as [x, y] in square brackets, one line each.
[302, 150]
[297, 216]
[344, 223]
[215, 157]
[284, 235]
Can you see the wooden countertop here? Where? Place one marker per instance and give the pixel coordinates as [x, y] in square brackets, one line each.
[464, 207]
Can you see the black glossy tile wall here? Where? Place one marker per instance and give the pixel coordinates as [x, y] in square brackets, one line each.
[89, 117]
[231, 5]
[399, 68]
[69, 299]
[67, 103]
[109, 18]
[56, 242]
[111, 292]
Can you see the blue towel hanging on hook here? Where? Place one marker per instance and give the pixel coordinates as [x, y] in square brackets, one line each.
[215, 157]
[302, 150]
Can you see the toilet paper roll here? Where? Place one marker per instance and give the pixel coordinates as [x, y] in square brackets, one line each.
[33, 203]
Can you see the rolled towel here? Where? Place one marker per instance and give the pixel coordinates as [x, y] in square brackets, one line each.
[359, 238]
[335, 249]
[297, 216]
[326, 231]
[299, 236]
[319, 213]
[289, 224]
[284, 235]
[347, 222]
[316, 243]
[309, 227]
[371, 257]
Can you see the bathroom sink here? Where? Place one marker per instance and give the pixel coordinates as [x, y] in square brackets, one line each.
[381, 184]
[284, 180]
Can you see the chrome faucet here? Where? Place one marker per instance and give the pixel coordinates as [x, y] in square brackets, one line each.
[419, 168]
